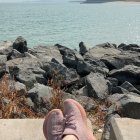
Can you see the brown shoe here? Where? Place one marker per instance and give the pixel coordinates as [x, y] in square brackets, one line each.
[74, 124]
[53, 126]
[84, 116]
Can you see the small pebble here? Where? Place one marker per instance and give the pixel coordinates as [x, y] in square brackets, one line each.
[100, 131]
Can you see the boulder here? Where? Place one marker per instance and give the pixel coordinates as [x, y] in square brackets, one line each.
[119, 60]
[128, 73]
[128, 86]
[88, 103]
[41, 95]
[70, 57]
[20, 44]
[46, 53]
[83, 68]
[76, 85]
[6, 47]
[102, 50]
[127, 105]
[132, 47]
[82, 48]
[97, 86]
[27, 71]
[61, 74]
[3, 59]
[14, 54]
[20, 88]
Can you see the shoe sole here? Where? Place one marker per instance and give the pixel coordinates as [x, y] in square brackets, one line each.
[46, 120]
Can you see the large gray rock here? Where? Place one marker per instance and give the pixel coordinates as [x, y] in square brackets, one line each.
[27, 71]
[47, 53]
[60, 73]
[128, 73]
[128, 86]
[102, 50]
[132, 47]
[14, 54]
[70, 57]
[83, 68]
[20, 44]
[41, 96]
[127, 105]
[3, 59]
[20, 88]
[97, 86]
[6, 47]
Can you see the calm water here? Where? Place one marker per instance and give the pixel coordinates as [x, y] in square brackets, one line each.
[70, 23]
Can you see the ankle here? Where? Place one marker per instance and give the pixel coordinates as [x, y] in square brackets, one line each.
[69, 137]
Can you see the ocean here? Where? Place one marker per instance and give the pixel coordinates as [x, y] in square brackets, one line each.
[69, 23]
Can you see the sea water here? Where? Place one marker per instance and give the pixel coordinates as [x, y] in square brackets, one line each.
[71, 22]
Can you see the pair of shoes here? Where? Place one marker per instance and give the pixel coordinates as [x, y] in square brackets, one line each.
[73, 122]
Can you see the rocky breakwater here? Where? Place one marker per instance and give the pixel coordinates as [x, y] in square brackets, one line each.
[106, 73]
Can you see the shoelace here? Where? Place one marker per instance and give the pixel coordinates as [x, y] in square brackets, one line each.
[69, 121]
[58, 130]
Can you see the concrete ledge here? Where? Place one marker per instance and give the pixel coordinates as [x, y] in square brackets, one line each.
[125, 129]
[25, 129]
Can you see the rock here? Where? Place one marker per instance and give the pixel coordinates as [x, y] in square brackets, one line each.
[20, 44]
[3, 70]
[119, 90]
[97, 86]
[106, 132]
[82, 91]
[83, 48]
[26, 54]
[20, 88]
[88, 103]
[3, 59]
[128, 86]
[102, 50]
[128, 73]
[70, 57]
[64, 50]
[14, 54]
[29, 103]
[127, 105]
[6, 47]
[60, 73]
[83, 68]
[119, 60]
[27, 71]
[46, 53]
[132, 47]
[76, 85]
[40, 95]
[130, 106]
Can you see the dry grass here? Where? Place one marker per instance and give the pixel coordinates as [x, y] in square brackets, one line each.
[98, 115]
[12, 103]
